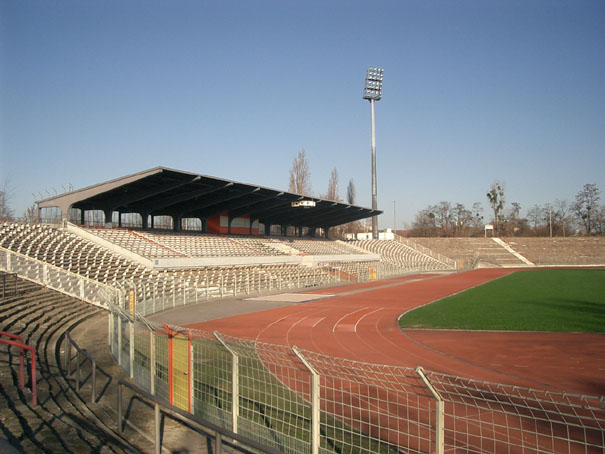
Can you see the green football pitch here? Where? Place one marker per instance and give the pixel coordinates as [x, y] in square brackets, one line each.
[536, 300]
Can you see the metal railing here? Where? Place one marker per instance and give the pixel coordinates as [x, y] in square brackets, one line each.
[93, 366]
[22, 348]
[234, 440]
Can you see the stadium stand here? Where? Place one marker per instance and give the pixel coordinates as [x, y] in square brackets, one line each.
[402, 255]
[67, 251]
[581, 251]
[472, 252]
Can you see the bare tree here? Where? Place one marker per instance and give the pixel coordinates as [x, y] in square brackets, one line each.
[6, 212]
[600, 220]
[332, 193]
[496, 200]
[444, 217]
[424, 224]
[587, 205]
[463, 220]
[351, 192]
[300, 175]
[31, 214]
[477, 214]
[534, 216]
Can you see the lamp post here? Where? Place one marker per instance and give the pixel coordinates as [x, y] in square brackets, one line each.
[372, 91]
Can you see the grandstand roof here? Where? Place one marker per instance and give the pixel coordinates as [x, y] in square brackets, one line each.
[163, 191]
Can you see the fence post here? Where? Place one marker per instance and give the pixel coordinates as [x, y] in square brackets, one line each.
[439, 429]
[190, 366]
[93, 395]
[109, 331]
[120, 340]
[174, 292]
[68, 358]
[315, 404]
[152, 360]
[234, 380]
[78, 370]
[119, 411]
[131, 347]
[157, 425]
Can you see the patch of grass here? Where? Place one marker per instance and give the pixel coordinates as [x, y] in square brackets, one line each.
[536, 300]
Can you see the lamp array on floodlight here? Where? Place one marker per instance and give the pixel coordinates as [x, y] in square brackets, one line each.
[373, 86]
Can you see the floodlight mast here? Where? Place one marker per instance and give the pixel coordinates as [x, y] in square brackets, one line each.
[372, 91]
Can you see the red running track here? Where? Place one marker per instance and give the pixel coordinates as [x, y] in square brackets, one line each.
[360, 323]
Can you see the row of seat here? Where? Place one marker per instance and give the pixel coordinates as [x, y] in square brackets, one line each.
[163, 244]
[86, 258]
[407, 258]
[560, 251]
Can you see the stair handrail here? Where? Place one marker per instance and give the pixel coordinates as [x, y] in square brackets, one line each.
[22, 347]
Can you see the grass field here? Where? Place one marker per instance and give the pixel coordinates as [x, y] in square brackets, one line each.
[536, 300]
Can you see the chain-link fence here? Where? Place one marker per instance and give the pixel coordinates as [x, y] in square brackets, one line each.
[302, 402]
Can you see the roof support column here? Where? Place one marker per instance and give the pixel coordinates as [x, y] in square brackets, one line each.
[327, 232]
[82, 216]
[144, 220]
[267, 229]
[108, 217]
[176, 222]
[312, 232]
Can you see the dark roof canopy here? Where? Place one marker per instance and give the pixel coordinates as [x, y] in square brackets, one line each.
[163, 191]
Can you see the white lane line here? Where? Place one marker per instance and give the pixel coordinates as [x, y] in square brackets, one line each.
[364, 315]
[318, 322]
[345, 316]
[269, 326]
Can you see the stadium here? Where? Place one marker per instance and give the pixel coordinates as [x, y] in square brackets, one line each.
[167, 311]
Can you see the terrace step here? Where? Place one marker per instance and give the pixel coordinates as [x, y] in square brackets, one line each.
[58, 423]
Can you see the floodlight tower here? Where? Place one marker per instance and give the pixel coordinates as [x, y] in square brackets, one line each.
[372, 91]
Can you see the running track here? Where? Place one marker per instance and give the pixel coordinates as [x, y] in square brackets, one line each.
[360, 323]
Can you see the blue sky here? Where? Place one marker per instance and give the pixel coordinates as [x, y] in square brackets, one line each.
[474, 92]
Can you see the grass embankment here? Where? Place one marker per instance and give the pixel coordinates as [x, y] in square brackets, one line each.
[536, 300]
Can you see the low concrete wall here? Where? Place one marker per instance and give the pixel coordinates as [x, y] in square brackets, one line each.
[308, 260]
[199, 262]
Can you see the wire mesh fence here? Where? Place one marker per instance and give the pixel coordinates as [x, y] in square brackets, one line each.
[311, 403]
[490, 417]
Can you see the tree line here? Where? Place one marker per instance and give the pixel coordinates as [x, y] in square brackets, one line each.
[561, 218]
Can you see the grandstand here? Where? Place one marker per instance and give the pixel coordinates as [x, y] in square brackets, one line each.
[129, 273]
